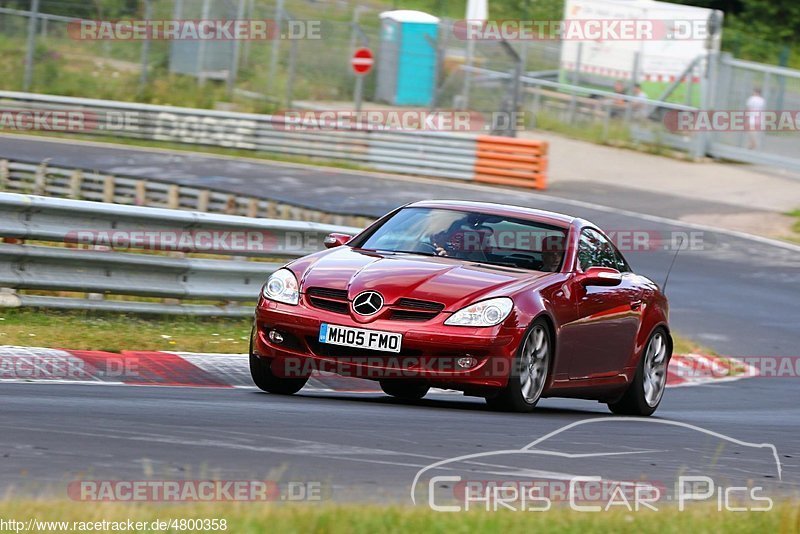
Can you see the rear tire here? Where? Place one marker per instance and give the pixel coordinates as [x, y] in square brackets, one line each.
[529, 373]
[404, 390]
[647, 389]
[265, 379]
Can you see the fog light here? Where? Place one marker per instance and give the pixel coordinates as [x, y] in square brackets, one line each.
[467, 362]
[275, 336]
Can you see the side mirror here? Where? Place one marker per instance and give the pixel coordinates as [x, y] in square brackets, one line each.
[600, 276]
[336, 240]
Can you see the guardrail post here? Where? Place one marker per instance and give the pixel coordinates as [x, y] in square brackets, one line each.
[108, 189]
[4, 173]
[9, 298]
[252, 208]
[173, 197]
[75, 184]
[141, 193]
[272, 210]
[202, 200]
[40, 179]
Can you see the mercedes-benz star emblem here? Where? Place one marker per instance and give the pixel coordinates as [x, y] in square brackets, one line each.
[368, 303]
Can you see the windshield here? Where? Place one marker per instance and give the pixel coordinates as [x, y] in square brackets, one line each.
[469, 236]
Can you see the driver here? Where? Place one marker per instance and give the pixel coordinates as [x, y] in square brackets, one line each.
[446, 242]
[464, 239]
[440, 243]
[552, 253]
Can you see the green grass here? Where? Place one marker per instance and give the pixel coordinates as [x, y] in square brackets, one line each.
[796, 226]
[592, 132]
[115, 332]
[371, 519]
[111, 69]
[684, 345]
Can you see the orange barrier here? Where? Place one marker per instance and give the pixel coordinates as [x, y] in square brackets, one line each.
[509, 161]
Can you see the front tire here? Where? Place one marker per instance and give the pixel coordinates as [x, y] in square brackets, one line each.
[529, 373]
[266, 380]
[647, 389]
[404, 390]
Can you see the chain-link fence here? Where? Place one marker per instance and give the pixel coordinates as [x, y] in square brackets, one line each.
[779, 92]
[306, 56]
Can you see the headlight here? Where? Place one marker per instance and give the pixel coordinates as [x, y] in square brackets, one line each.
[282, 286]
[485, 313]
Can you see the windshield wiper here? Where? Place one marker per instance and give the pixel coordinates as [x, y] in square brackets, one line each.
[431, 254]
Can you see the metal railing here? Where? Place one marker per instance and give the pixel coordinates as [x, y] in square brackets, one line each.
[83, 184]
[425, 153]
[418, 152]
[93, 258]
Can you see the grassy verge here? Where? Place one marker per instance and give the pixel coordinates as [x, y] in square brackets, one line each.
[258, 518]
[684, 345]
[796, 227]
[115, 332]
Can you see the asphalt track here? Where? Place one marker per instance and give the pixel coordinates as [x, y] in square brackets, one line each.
[368, 447]
[737, 295]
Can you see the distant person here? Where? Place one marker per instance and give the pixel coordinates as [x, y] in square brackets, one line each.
[755, 106]
[618, 104]
[640, 109]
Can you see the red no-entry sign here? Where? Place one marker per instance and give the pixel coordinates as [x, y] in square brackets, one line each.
[362, 61]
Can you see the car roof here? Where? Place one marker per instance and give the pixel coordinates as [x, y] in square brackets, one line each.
[548, 217]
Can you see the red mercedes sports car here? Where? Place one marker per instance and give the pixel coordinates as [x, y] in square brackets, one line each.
[507, 303]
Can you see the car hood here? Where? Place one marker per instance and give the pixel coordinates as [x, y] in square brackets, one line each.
[451, 282]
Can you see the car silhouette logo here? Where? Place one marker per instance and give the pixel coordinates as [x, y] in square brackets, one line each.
[368, 303]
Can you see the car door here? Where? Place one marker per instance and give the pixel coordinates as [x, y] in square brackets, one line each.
[608, 317]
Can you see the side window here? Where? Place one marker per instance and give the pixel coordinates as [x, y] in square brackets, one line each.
[594, 250]
[622, 265]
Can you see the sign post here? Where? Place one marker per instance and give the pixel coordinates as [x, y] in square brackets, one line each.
[361, 63]
[477, 13]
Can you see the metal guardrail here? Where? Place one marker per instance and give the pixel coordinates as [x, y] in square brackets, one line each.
[81, 184]
[426, 153]
[90, 260]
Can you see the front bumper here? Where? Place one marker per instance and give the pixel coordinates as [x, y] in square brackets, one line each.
[430, 350]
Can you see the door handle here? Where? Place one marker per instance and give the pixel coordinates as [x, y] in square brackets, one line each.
[636, 304]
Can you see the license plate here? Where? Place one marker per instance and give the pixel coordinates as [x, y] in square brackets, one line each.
[360, 338]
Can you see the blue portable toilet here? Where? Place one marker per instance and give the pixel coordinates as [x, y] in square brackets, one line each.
[407, 61]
